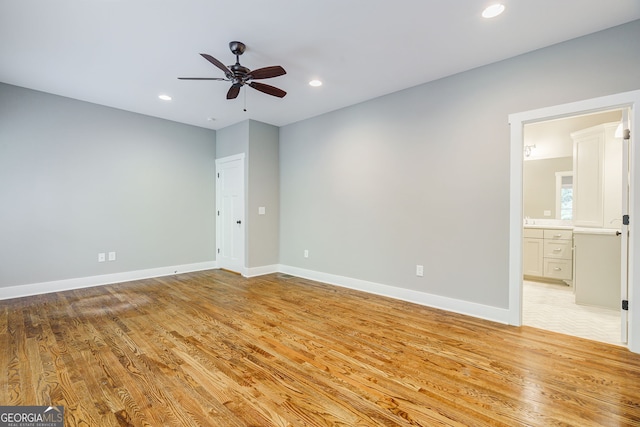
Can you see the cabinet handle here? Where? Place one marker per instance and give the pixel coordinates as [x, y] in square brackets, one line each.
[557, 249]
[557, 269]
[557, 235]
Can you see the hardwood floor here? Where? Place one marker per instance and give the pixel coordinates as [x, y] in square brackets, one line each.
[215, 349]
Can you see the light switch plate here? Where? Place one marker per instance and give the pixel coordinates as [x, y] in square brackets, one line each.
[112, 256]
[261, 210]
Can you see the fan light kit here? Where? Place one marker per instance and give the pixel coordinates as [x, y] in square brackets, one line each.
[165, 97]
[315, 83]
[239, 75]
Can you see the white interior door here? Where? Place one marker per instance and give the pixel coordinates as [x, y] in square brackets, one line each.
[624, 250]
[230, 224]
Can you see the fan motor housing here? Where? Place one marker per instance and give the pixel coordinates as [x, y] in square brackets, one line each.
[239, 69]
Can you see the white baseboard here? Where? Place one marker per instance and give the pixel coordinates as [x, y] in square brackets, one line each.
[106, 279]
[260, 271]
[500, 315]
[449, 304]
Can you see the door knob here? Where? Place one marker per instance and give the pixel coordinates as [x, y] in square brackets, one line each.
[238, 222]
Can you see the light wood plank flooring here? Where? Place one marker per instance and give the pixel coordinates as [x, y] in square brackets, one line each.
[215, 349]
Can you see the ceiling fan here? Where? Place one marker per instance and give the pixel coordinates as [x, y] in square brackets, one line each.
[239, 75]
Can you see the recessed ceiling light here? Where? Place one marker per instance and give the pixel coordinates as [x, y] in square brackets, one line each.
[164, 97]
[493, 10]
[315, 83]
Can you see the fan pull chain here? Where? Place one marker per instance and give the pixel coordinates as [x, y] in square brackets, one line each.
[245, 100]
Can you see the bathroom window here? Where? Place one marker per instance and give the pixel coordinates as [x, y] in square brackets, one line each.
[564, 195]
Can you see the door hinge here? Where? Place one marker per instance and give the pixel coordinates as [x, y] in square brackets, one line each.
[626, 134]
[625, 219]
[218, 250]
[218, 174]
[218, 213]
[625, 304]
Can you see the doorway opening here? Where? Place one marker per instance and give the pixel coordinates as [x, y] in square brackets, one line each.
[551, 259]
[629, 103]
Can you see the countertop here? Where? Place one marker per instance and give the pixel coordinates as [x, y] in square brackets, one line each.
[554, 227]
[576, 230]
[604, 231]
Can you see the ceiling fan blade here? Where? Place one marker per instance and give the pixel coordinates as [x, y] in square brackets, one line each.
[269, 90]
[267, 72]
[233, 92]
[217, 63]
[202, 78]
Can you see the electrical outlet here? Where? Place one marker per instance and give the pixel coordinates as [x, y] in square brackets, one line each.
[101, 257]
[112, 256]
[306, 253]
[419, 270]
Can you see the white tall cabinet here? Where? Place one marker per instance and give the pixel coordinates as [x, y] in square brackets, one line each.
[597, 177]
[597, 215]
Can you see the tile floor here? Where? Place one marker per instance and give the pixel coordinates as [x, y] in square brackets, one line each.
[552, 307]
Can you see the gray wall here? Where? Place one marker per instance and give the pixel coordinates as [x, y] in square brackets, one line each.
[263, 190]
[232, 140]
[422, 176]
[416, 177]
[539, 185]
[77, 179]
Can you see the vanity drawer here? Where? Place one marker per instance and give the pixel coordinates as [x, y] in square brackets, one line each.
[558, 268]
[558, 234]
[560, 249]
[535, 233]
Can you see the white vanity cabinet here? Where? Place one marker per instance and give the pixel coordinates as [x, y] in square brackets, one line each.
[597, 177]
[532, 252]
[548, 253]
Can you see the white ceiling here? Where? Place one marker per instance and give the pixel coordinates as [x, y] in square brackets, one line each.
[124, 53]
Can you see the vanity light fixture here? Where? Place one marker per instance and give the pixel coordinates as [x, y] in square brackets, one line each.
[315, 83]
[527, 150]
[493, 11]
[165, 97]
